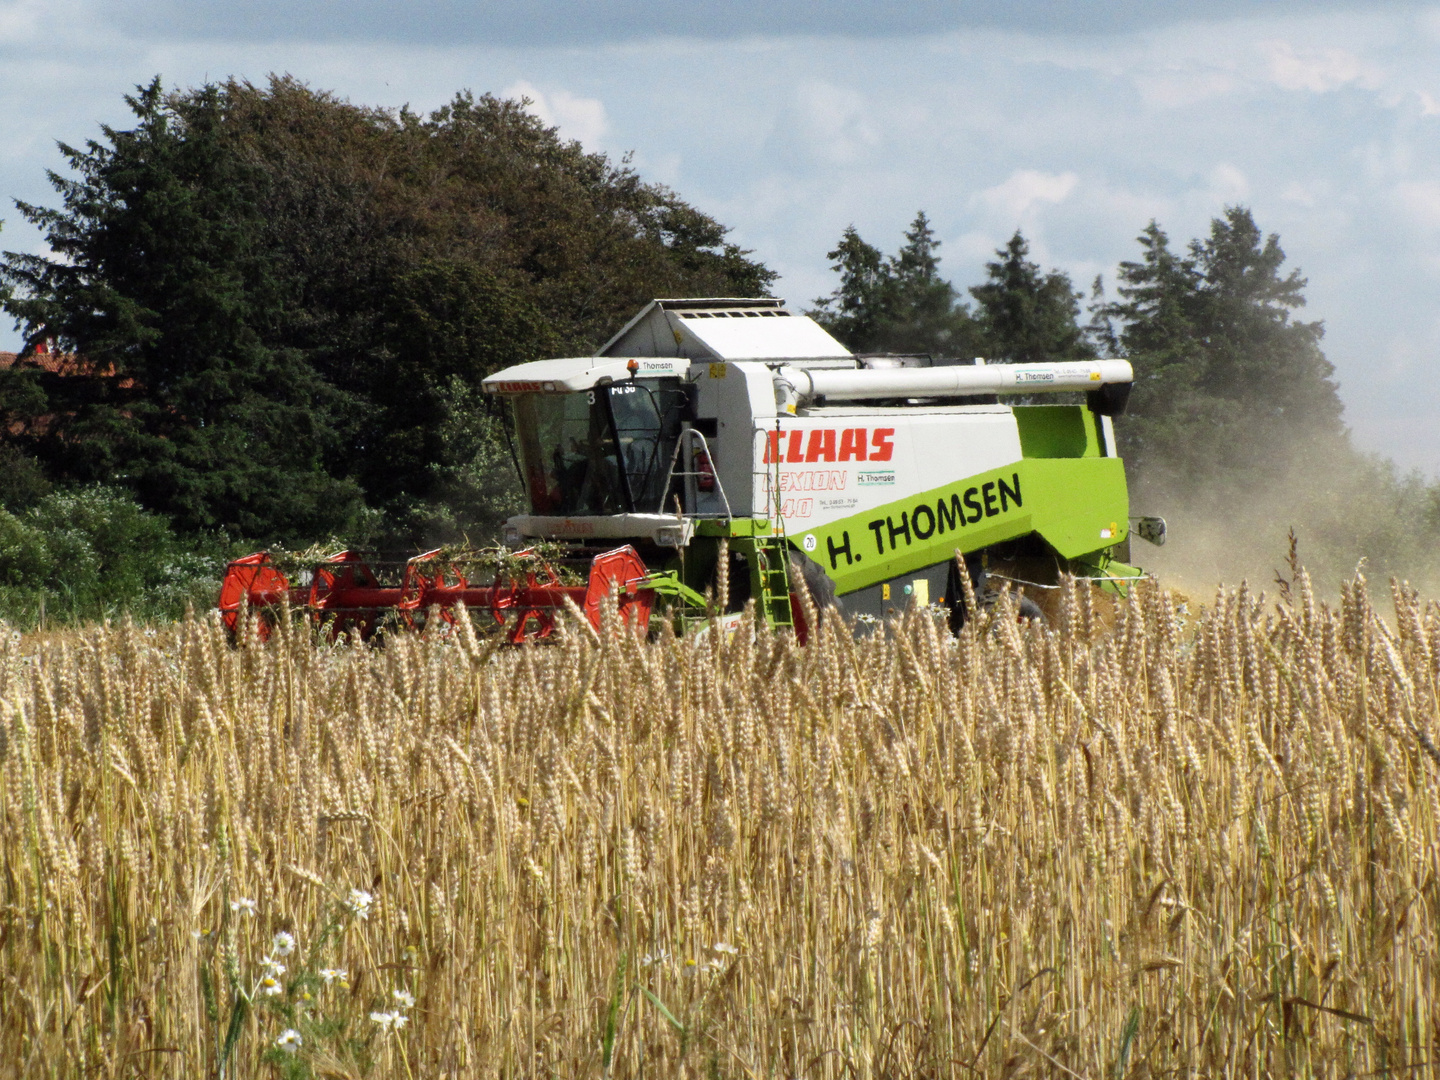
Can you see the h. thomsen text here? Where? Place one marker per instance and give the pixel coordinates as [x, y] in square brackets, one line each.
[922, 521]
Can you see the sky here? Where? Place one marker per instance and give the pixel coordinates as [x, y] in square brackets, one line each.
[1075, 121]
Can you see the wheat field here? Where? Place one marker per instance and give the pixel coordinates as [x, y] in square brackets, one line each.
[1174, 844]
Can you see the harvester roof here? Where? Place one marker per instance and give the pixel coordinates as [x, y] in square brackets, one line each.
[573, 373]
[723, 328]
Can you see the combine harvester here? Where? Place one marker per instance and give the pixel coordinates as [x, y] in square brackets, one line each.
[737, 426]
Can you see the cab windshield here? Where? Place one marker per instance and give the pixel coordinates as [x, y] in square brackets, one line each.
[600, 451]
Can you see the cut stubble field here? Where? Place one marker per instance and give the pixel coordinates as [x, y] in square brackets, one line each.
[1175, 844]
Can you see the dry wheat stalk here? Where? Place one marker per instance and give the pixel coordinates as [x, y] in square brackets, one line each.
[897, 856]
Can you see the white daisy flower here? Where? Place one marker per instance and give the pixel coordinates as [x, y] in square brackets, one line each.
[359, 903]
[270, 986]
[289, 1041]
[329, 975]
[243, 906]
[728, 950]
[388, 1020]
[283, 944]
[273, 967]
[405, 998]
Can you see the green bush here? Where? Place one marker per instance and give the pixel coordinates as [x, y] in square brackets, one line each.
[94, 553]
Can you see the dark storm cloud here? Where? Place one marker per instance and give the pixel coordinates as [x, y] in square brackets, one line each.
[556, 22]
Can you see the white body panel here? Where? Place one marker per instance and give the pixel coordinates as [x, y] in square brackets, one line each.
[837, 461]
[739, 398]
[819, 478]
[756, 338]
[758, 372]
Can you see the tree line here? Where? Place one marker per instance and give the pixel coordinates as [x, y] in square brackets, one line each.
[1227, 379]
[285, 303]
[1234, 427]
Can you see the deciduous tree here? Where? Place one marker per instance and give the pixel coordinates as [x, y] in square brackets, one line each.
[281, 296]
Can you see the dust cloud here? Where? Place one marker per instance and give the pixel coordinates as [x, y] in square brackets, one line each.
[1347, 510]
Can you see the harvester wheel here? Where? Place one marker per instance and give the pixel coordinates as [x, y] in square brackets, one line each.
[986, 595]
[1029, 609]
[806, 572]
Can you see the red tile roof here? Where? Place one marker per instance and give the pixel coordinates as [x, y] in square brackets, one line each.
[62, 364]
[65, 365]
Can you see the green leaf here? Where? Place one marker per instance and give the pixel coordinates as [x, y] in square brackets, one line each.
[666, 1013]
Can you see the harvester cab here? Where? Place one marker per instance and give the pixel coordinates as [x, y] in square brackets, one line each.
[721, 451]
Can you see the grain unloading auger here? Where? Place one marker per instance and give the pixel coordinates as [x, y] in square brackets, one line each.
[737, 430]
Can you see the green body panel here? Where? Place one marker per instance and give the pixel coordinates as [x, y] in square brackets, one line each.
[1063, 489]
[739, 526]
[668, 583]
[1111, 575]
[1078, 505]
[1077, 501]
[1058, 431]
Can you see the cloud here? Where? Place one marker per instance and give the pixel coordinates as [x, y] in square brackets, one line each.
[577, 118]
[1023, 191]
[1078, 121]
[1315, 70]
[30, 27]
[1176, 86]
[20, 21]
[542, 23]
[1227, 184]
[1300, 194]
[832, 123]
[1420, 202]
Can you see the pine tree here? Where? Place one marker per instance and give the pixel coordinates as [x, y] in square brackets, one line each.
[897, 303]
[1025, 316]
[1257, 354]
[1158, 300]
[858, 311]
[1227, 383]
[1100, 330]
[927, 315]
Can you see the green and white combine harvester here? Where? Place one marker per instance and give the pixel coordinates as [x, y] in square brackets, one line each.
[738, 427]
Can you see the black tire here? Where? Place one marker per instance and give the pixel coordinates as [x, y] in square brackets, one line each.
[955, 592]
[985, 597]
[1029, 609]
[807, 572]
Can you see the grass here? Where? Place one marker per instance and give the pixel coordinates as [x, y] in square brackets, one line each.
[1173, 845]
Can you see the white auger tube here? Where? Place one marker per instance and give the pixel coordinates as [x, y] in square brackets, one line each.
[857, 384]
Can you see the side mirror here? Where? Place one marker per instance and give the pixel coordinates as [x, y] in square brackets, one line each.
[1151, 529]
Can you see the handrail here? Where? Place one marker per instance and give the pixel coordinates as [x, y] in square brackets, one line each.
[691, 497]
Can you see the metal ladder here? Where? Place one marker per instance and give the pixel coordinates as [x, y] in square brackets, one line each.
[772, 570]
